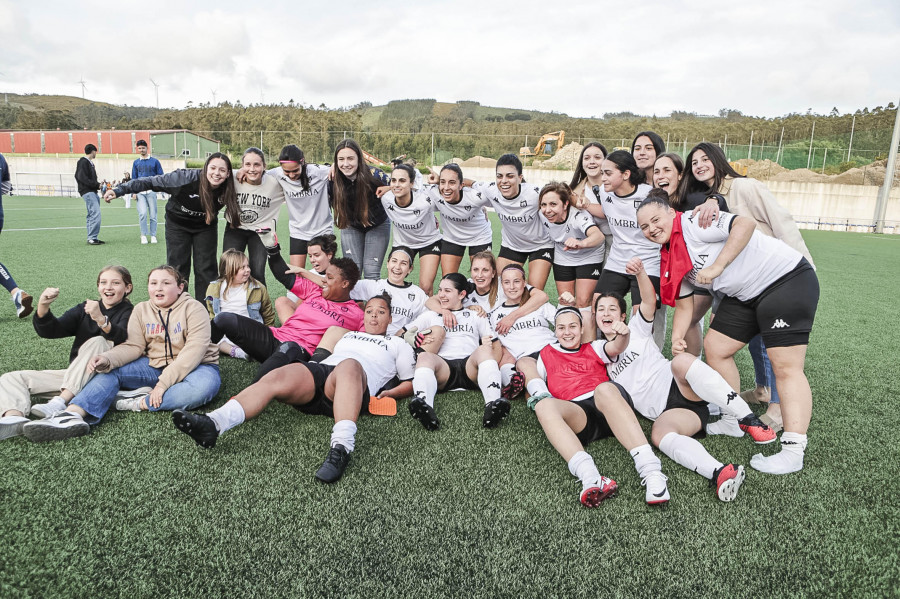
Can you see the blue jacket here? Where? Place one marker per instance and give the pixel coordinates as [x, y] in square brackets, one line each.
[146, 167]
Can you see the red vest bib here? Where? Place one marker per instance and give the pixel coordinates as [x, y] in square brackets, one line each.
[571, 375]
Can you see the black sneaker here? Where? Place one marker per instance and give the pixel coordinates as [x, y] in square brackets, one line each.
[199, 427]
[424, 413]
[494, 412]
[332, 469]
[95, 242]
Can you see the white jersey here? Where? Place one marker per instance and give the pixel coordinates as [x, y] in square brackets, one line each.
[259, 204]
[407, 301]
[595, 195]
[382, 357]
[462, 340]
[309, 210]
[463, 223]
[530, 334]
[575, 226]
[762, 262]
[414, 225]
[520, 228]
[628, 240]
[642, 370]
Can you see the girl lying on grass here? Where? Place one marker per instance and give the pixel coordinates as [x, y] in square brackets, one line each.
[97, 326]
[168, 355]
[237, 292]
[320, 251]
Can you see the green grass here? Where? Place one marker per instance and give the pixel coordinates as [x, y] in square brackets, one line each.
[137, 510]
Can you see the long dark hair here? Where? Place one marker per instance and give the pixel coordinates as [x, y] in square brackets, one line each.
[355, 209]
[580, 175]
[224, 194]
[658, 144]
[721, 169]
[291, 153]
[624, 161]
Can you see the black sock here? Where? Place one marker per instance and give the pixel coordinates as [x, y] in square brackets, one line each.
[320, 354]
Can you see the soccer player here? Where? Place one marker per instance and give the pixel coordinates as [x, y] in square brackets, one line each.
[407, 299]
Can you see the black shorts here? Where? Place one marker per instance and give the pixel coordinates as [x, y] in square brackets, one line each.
[432, 249]
[522, 257]
[572, 273]
[622, 284]
[453, 249]
[320, 405]
[299, 247]
[677, 400]
[597, 427]
[783, 314]
[458, 378]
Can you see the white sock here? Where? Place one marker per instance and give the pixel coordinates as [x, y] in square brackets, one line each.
[344, 432]
[689, 453]
[237, 352]
[292, 296]
[645, 461]
[228, 416]
[659, 327]
[712, 388]
[582, 465]
[789, 459]
[726, 425]
[489, 380]
[506, 372]
[56, 404]
[535, 386]
[425, 385]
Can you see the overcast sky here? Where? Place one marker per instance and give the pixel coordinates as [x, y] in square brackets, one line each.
[765, 58]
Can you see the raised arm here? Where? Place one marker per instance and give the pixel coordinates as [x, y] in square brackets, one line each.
[648, 293]
[741, 231]
[280, 269]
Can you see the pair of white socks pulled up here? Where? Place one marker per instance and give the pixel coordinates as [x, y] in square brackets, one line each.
[425, 382]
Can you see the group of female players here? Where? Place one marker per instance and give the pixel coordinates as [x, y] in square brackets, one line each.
[700, 238]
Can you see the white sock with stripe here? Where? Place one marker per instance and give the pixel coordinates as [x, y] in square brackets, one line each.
[489, 380]
[789, 459]
[425, 385]
[712, 388]
[689, 453]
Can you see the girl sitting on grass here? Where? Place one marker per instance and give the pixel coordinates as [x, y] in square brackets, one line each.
[97, 326]
[168, 353]
[236, 291]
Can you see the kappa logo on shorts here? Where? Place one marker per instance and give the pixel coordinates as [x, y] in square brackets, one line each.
[545, 255]
[780, 324]
[596, 273]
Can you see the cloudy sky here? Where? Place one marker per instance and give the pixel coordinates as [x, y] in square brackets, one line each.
[765, 58]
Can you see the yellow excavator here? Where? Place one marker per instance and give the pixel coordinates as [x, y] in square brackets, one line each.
[545, 145]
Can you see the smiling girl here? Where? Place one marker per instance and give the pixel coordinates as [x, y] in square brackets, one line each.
[407, 300]
[320, 250]
[646, 147]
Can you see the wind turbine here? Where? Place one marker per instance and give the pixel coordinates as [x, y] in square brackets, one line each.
[83, 86]
[156, 86]
[214, 96]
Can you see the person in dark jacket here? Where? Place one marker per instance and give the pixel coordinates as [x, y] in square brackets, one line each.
[86, 177]
[197, 195]
[97, 326]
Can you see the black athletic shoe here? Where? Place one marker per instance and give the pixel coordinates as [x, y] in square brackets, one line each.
[95, 242]
[424, 413]
[199, 427]
[332, 469]
[494, 412]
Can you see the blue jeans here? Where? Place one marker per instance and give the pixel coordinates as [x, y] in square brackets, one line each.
[146, 206]
[196, 389]
[92, 201]
[762, 368]
[367, 248]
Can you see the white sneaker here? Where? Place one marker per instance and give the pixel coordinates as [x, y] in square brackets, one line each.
[49, 409]
[132, 404]
[657, 491]
[726, 425]
[64, 426]
[143, 240]
[129, 393]
[153, 239]
[11, 426]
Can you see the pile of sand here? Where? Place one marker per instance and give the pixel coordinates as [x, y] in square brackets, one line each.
[565, 157]
[478, 161]
[800, 175]
[761, 169]
[870, 174]
[454, 160]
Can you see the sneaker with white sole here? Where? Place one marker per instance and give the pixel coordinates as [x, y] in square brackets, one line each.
[596, 490]
[64, 426]
[759, 432]
[49, 409]
[153, 239]
[144, 240]
[727, 481]
[23, 302]
[129, 393]
[657, 490]
[11, 426]
[726, 425]
[132, 404]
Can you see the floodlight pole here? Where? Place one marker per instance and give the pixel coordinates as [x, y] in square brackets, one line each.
[885, 194]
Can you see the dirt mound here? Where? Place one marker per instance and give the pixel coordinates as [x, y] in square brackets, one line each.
[454, 160]
[479, 161]
[566, 157]
[761, 169]
[801, 175]
[871, 174]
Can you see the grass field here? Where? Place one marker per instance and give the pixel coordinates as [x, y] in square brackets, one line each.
[137, 510]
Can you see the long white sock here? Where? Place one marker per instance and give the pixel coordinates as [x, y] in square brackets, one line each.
[689, 453]
[645, 461]
[726, 425]
[506, 372]
[489, 380]
[291, 296]
[344, 432]
[789, 459]
[228, 416]
[582, 465]
[535, 386]
[425, 385]
[712, 388]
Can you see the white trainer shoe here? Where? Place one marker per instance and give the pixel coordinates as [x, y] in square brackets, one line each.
[11, 426]
[64, 426]
[144, 240]
[49, 409]
[153, 239]
[657, 490]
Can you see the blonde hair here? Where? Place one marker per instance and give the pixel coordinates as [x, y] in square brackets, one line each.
[230, 263]
[489, 256]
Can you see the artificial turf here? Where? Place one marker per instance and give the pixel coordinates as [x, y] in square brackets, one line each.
[136, 509]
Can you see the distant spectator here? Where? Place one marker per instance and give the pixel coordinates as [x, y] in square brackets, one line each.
[86, 177]
[145, 166]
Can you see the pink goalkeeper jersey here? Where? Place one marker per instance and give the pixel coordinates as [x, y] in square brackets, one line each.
[313, 317]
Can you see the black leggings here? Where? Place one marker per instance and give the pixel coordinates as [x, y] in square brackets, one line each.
[241, 239]
[257, 340]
